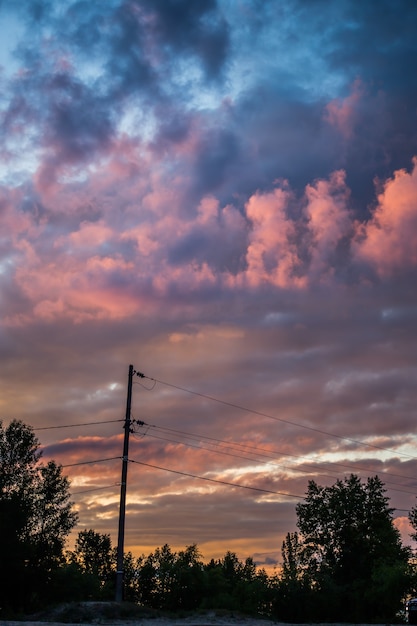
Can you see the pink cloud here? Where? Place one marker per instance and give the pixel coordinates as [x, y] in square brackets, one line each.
[271, 254]
[329, 221]
[87, 237]
[342, 113]
[403, 525]
[388, 241]
[74, 289]
[293, 252]
[95, 270]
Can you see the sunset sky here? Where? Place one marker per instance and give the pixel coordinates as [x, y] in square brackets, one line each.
[222, 193]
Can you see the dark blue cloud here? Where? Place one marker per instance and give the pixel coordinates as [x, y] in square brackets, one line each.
[220, 251]
[276, 128]
[78, 122]
[198, 28]
[217, 151]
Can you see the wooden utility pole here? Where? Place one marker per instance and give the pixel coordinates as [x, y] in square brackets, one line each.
[123, 484]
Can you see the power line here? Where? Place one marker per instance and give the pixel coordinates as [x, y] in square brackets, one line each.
[244, 446]
[112, 458]
[78, 493]
[214, 480]
[247, 458]
[73, 425]
[278, 419]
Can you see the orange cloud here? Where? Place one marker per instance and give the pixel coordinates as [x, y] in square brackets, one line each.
[89, 235]
[404, 527]
[272, 253]
[95, 270]
[329, 221]
[388, 241]
[76, 290]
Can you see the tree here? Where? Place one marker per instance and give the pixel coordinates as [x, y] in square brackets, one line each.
[93, 553]
[412, 516]
[130, 577]
[223, 577]
[291, 587]
[95, 557]
[35, 517]
[348, 541]
[235, 585]
[52, 517]
[169, 580]
[291, 551]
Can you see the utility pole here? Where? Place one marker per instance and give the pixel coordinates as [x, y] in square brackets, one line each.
[123, 484]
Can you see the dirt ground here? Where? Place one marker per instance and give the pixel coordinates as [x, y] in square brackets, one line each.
[112, 614]
[188, 621]
[206, 620]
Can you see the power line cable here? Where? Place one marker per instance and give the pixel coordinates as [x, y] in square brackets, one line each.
[274, 417]
[275, 452]
[74, 425]
[214, 480]
[112, 458]
[294, 469]
[78, 493]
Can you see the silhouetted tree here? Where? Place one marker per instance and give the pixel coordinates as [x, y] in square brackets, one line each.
[292, 589]
[352, 554]
[235, 585]
[412, 516]
[95, 557]
[130, 577]
[169, 580]
[35, 518]
[175, 581]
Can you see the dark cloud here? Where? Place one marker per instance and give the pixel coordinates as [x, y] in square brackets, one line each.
[174, 128]
[196, 27]
[215, 155]
[376, 42]
[79, 124]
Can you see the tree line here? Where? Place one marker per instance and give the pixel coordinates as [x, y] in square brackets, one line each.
[346, 561]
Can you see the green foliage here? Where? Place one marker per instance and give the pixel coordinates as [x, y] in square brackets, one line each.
[35, 518]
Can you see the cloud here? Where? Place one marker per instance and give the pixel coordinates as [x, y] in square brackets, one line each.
[329, 223]
[92, 270]
[223, 194]
[198, 28]
[271, 255]
[388, 241]
[403, 525]
[342, 113]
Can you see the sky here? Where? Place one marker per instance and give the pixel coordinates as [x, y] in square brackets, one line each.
[223, 194]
